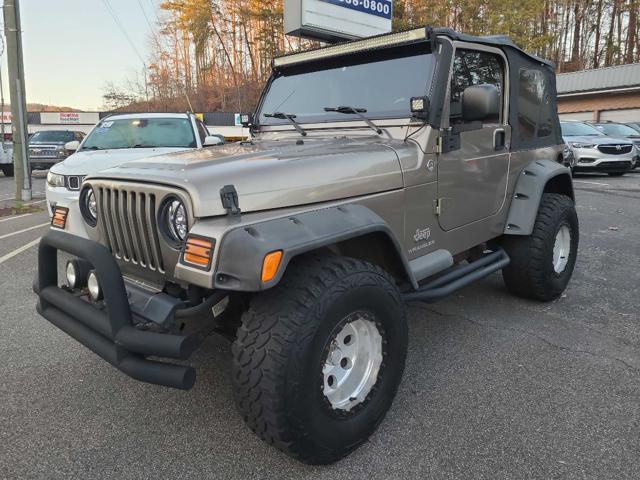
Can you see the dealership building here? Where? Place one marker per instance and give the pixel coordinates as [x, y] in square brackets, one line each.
[604, 94]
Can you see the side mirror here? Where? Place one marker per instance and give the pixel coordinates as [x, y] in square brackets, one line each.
[480, 102]
[72, 146]
[212, 140]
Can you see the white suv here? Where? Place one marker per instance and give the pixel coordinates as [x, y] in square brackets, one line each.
[115, 140]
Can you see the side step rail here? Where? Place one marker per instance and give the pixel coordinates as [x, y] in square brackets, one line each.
[459, 277]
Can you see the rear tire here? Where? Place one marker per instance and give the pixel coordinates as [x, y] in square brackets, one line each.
[7, 170]
[290, 341]
[542, 263]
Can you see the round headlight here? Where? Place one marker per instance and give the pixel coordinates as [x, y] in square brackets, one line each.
[95, 292]
[89, 206]
[176, 220]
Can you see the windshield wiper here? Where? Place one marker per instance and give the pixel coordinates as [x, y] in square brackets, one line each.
[93, 147]
[290, 117]
[355, 111]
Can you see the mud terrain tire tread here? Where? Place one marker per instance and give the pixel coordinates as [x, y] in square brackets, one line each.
[272, 348]
[530, 273]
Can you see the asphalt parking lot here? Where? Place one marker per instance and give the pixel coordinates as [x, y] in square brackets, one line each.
[494, 387]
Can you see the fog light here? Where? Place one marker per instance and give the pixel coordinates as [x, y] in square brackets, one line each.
[95, 292]
[419, 106]
[77, 271]
[72, 275]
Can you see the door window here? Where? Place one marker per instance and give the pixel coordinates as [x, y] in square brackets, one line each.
[470, 68]
[202, 131]
[535, 108]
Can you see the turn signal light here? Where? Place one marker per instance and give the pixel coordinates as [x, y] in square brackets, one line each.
[270, 265]
[59, 219]
[198, 251]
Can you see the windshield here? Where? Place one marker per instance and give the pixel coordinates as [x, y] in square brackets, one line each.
[141, 133]
[576, 129]
[373, 85]
[52, 136]
[617, 130]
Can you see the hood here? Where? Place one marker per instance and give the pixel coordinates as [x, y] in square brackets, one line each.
[274, 174]
[88, 162]
[596, 140]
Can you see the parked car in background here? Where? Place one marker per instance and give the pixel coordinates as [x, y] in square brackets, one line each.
[634, 125]
[119, 139]
[47, 147]
[6, 158]
[621, 130]
[596, 152]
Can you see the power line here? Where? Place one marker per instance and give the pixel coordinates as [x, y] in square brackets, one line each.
[153, 32]
[144, 14]
[113, 14]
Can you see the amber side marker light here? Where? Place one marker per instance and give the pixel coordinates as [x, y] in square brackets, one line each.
[198, 251]
[59, 219]
[270, 265]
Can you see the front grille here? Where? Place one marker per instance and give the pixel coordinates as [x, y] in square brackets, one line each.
[615, 149]
[620, 165]
[130, 227]
[74, 182]
[42, 152]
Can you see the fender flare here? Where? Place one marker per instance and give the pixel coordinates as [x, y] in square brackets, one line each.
[528, 191]
[243, 249]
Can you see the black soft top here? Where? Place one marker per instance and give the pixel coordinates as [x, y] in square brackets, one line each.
[500, 41]
[520, 63]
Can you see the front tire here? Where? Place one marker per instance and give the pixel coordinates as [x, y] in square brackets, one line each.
[318, 359]
[7, 170]
[543, 262]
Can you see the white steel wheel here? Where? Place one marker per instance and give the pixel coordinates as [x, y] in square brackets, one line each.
[561, 249]
[352, 363]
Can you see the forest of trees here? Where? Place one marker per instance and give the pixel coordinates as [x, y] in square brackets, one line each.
[214, 55]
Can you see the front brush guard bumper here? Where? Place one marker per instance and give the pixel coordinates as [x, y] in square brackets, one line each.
[108, 331]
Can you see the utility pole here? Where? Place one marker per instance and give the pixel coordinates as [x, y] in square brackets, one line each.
[13, 33]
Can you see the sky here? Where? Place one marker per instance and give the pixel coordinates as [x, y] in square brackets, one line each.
[73, 47]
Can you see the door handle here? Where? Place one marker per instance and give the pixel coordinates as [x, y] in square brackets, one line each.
[499, 139]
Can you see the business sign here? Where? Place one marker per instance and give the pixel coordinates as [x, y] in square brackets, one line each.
[337, 20]
[379, 8]
[69, 118]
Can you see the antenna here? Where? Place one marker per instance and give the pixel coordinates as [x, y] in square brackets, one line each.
[188, 101]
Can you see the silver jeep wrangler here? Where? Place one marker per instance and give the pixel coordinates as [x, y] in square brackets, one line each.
[392, 169]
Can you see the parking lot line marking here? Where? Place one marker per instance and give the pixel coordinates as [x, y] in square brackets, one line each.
[591, 183]
[18, 251]
[17, 216]
[23, 230]
[33, 203]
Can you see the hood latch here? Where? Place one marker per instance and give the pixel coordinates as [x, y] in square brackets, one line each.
[229, 198]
